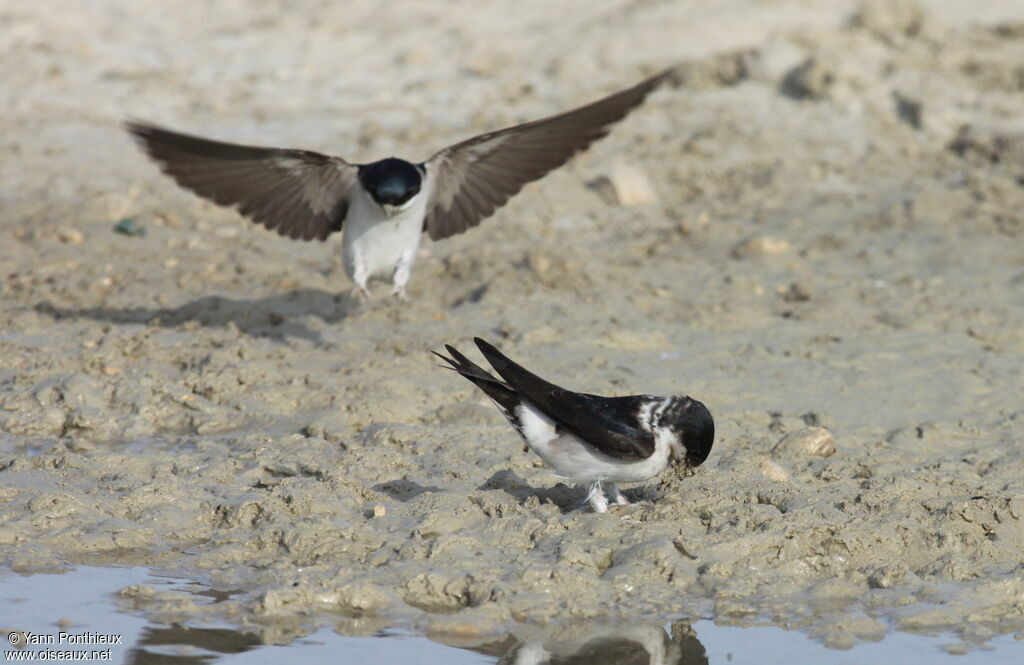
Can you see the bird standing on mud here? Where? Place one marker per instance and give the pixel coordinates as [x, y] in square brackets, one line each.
[588, 438]
[384, 206]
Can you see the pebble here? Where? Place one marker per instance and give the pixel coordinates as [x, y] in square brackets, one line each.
[811, 79]
[71, 236]
[795, 293]
[625, 185]
[816, 441]
[756, 245]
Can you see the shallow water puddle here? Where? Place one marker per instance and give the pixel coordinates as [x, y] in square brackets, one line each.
[74, 616]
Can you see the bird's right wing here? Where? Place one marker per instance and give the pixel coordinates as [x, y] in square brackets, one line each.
[297, 193]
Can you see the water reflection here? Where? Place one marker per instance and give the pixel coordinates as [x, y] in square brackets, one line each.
[640, 644]
[624, 645]
[87, 599]
[628, 645]
[212, 641]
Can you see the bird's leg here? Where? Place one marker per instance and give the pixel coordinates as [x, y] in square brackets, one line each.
[360, 276]
[402, 271]
[596, 498]
[617, 498]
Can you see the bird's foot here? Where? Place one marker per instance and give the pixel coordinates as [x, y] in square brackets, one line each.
[617, 497]
[360, 293]
[596, 498]
[399, 292]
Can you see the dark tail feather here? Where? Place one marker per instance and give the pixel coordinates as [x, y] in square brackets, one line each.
[494, 388]
[517, 377]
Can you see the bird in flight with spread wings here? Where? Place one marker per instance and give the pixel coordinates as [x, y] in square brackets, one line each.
[382, 208]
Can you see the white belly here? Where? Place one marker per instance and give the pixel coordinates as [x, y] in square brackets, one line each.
[377, 241]
[580, 462]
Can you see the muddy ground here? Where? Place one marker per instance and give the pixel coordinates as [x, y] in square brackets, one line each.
[833, 237]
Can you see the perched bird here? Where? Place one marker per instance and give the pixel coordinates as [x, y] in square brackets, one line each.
[588, 438]
[383, 206]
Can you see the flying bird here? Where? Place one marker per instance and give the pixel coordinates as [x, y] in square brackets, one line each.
[383, 207]
[590, 439]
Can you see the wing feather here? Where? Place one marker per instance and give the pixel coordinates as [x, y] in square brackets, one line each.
[609, 424]
[477, 176]
[297, 193]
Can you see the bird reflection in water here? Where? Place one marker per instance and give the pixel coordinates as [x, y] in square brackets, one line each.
[623, 645]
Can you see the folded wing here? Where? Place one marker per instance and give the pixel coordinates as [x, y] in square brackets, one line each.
[609, 424]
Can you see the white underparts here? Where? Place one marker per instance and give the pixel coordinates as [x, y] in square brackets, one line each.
[580, 462]
[375, 243]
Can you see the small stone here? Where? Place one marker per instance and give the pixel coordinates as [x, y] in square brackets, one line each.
[816, 441]
[130, 227]
[625, 185]
[70, 236]
[796, 293]
[137, 591]
[110, 370]
[909, 109]
[811, 79]
[759, 245]
[540, 263]
[380, 510]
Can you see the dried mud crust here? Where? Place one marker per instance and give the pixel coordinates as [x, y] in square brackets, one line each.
[826, 233]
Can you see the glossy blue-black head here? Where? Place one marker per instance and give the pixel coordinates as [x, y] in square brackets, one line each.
[693, 426]
[391, 181]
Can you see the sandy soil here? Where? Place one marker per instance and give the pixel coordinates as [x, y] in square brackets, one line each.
[835, 241]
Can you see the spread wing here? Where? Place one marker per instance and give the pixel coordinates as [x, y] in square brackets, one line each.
[609, 424]
[476, 177]
[297, 193]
